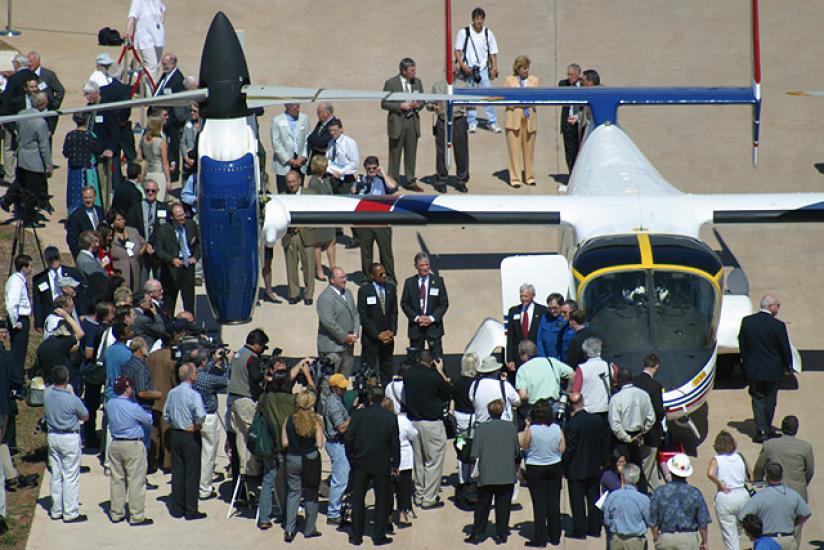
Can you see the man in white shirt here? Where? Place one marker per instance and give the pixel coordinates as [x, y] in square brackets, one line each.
[145, 30]
[101, 73]
[489, 387]
[344, 158]
[290, 134]
[19, 309]
[476, 52]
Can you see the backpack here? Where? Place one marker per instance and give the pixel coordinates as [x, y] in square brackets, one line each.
[108, 36]
[259, 439]
[466, 496]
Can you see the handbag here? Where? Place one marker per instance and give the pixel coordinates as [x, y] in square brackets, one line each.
[450, 423]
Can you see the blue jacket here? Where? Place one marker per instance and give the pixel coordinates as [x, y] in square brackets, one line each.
[547, 337]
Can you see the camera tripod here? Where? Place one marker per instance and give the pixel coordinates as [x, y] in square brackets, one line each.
[18, 246]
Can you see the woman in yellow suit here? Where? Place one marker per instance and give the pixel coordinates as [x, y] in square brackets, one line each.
[520, 126]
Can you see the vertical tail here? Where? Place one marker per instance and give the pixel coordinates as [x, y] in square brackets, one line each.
[756, 83]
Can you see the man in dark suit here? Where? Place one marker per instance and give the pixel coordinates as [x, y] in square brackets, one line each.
[652, 439]
[765, 351]
[523, 321]
[575, 354]
[128, 198]
[177, 247]
[403, 122]
[120, 124]
[86, 218]
[570, 127]
[320, 136]
[44, 286]
[378, 310]
[48, 82]
[13, 99]
[374, 451]
[584, 434]
[171, 81]
[153, 213]
[424, 302]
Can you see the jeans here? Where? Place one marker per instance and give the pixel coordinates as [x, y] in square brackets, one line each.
[340, 476]
[294, 480]
[471, 115]
[270, 472]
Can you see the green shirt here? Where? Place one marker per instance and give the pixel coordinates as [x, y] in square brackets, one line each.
[541, 378]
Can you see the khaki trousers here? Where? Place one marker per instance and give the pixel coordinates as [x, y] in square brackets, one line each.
[678, 541]
[209, 436]
[128, 479]
[294, 251]
[787, 542]
[649, 465]
[243, 412]
[520, 145]
[429, 447]
[628, 543]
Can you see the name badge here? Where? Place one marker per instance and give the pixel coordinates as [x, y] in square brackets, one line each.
[516, 316]
[43, 287]
[434, 291]
[167, 91]
[129, 248]
[98, 119]
[371, 300]
[42, 86]
[283, 124]
[161, 213]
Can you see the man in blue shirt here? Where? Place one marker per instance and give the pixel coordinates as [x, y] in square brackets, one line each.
[128, 423]
[626, 513]
[117, 355]
[184, 411]
[552, 322]
[678, 511]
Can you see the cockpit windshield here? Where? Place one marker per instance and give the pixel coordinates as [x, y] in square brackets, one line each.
[656, 310]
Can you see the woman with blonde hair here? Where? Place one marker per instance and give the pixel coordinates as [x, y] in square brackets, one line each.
[729, 471]
[319, 184]
[520, 126]
[154, 154]
[302, 436]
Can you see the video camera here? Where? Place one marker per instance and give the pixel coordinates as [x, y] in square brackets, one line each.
[198, 338]
[25, 203]
[362, 380]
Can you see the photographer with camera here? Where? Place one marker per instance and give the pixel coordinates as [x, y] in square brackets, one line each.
[212, 379]
[376, 183]
[245, 387]
[335, 422]
[476, 53]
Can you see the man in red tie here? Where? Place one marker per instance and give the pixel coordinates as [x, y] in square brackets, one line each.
[424, 302]
[523, 321]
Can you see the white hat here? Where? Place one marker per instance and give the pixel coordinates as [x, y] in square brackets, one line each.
[67, 281]
[104, 59]
[489, 364]
[679, 465]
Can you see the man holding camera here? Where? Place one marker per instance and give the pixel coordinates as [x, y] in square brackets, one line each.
[212, 378]
[403, 123]
[377, 184]
[244, 390]
[335, 423]
[476, 52]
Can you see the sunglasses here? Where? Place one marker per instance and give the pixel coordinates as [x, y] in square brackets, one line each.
[151, 190]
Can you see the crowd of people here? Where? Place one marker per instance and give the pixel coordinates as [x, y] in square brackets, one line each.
[546, 408]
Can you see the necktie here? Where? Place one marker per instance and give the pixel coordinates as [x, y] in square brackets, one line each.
[181, 242]
[422, 295]
[93, 217]
[56, 292]
[334, 151]
[526, 109]
[525, 323]
[382, 297]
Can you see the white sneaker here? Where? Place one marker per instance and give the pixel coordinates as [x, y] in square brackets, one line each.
[562, 188]
[494, 128]
[473, 128]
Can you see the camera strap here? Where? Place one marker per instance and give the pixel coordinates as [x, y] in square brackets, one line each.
[468, 39]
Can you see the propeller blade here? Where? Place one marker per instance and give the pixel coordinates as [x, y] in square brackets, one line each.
[179, 99]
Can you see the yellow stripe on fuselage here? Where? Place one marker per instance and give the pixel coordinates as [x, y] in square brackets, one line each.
[646, 250]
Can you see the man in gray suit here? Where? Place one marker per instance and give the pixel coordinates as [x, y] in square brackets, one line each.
[290, 135]
[93, 278]
[338, 322]
[403, 123]
[795, 456]
[48, 83]
[34, 152]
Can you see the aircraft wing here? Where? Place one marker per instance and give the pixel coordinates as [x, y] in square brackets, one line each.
[180, 99]
[264, 96]
[283, 211]
[757, 207]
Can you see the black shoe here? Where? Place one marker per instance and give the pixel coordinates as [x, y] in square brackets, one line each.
[440, 187]
[390, 529]
[313, 535]
[288, 537]
[177, 515]
[500, 539]
[472, 539]
[571, 535]
[195, 516]
[436, 504]
[293, 301]
[308, 301]
[355, 541]
[535, 544]
[146, 521]
[760, 437]
[264, 525]
[354, 243]
[85, 469]
[381, 541]
[151, 486]
[28, 481]
[461, 188]
[413, 186]
[79, 519]
[333, 521]
[774, 432]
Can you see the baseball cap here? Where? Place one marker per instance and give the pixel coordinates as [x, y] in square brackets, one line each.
[104, 59]
[121, 384]
[67, 281]
[338, 380]
[679, 465]
[51, 253]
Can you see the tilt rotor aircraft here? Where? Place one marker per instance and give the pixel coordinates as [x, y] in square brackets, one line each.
[631, 253]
